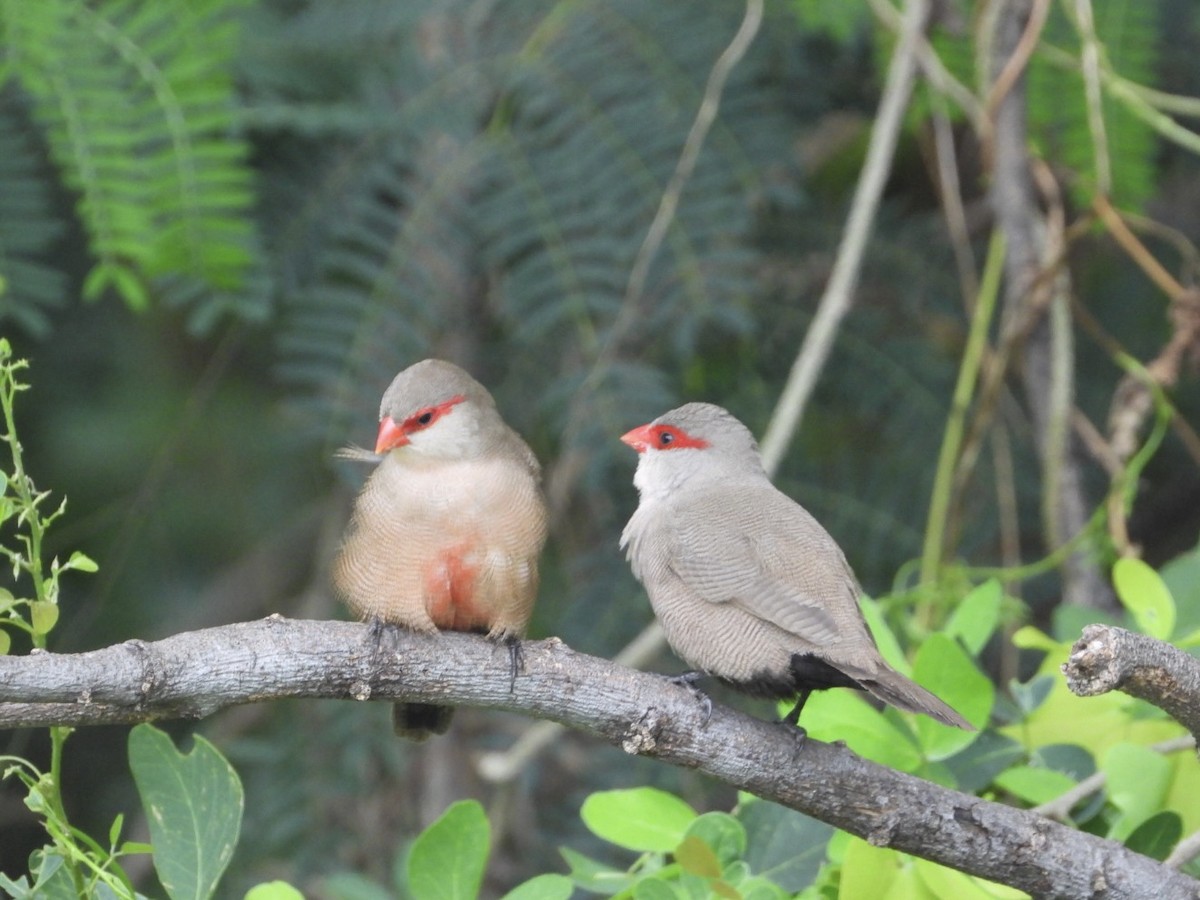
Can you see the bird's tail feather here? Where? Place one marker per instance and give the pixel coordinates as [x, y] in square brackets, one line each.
[420, 721]
[896, 690]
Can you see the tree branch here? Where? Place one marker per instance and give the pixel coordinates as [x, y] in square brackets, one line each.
[1047, 360]
[1107, 658]
[194, 674]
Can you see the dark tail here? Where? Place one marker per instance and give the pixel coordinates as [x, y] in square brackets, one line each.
[893, 688]
[420, 721]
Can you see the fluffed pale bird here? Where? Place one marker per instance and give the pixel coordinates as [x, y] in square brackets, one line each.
[748, 587]
[447, 530]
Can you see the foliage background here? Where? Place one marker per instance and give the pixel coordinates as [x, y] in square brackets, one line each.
[224, 225]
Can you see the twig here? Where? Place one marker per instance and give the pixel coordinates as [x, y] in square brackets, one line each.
[1185, 851]
[1090, 61]
[1018, 59]
[1107, 658]
[629, 312]
[964, 390]
[950, 194]
[839, 293]
[710, 104]
[1060, 807]
[1146, 261]
[935, 72]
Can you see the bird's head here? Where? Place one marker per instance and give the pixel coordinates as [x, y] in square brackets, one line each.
[436, 410]
[697, 439]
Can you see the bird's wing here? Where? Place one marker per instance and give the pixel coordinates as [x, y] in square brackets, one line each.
[758, 553]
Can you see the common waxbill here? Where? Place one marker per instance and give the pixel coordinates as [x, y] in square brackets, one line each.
[747, 585]
[447, 531]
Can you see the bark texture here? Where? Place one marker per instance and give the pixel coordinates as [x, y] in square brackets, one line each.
[1039, 307]
[1107, 658]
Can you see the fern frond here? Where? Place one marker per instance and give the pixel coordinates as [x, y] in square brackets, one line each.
[1128, 34]
[509, 197]
[29, 286]
[138, 107]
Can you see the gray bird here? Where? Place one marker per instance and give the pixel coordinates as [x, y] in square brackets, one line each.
[747, 585]
[447, 531]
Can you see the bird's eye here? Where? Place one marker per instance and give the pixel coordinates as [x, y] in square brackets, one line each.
[665, 437]
[425, 418]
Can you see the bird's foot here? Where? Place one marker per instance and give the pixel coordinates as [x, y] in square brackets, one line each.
[688, 680]
[379, 631]
[793, 717]
[516, 656]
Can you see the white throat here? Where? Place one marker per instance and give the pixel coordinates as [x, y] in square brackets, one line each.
[657, 476]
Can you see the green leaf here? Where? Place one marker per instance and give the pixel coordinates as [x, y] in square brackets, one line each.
[81, 562]
[1031, 694]
[1034, 784]
[1157, 835]
[946, 883]
[543, 887]
[641, 819]
[273, 890]
[53, 879]
[655, 889]
[5, 642]
[1145, 595]
[1029, 638]
[944, 668]
[1072, 760]
[844, 716]
[1138, 779]
[976, 616]
[194, 806]
[595, 876]
[1069, 620]
[697, 858]
[784, 845]
[723, 834]
[885, 638]
[43, 615]
[448, 858]
[759, 888]
[877, 872]
[976, 766]
[1182, 578]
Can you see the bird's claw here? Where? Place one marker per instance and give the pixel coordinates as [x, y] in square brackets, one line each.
[377, 631]
[516, 657]
[688, 680]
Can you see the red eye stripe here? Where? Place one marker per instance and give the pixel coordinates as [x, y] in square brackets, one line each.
[668, 437]
[423, 418]
[661, 437]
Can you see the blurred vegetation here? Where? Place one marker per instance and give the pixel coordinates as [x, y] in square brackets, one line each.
[225, 224]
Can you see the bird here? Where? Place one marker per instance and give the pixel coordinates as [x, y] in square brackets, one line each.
[447, 530]
[748, 586]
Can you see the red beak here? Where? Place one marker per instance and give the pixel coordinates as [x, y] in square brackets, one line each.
[390, 436]
[639, 439]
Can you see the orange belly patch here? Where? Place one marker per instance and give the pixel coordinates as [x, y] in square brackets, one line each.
[450, 582]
